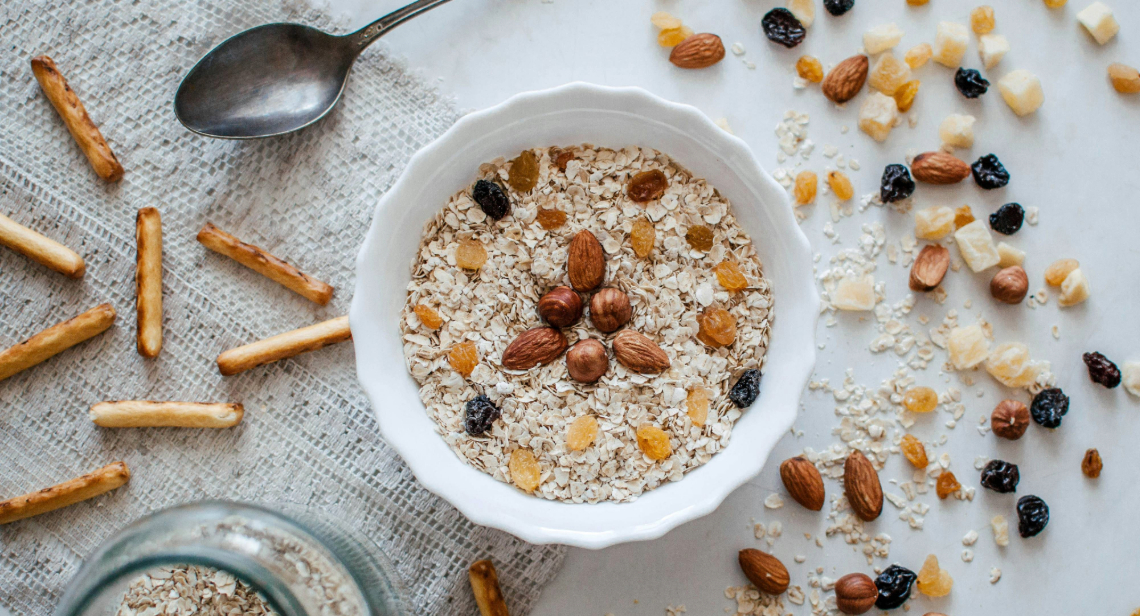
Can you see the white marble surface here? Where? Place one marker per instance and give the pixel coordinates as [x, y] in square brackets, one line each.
[1075, 160]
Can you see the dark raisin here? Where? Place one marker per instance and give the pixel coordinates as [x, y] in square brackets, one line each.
[970, 82]
[896, 184]
[838, 7]
[894, 585]
[1032, 515]
[780, 26]
[481, 413]
[1101, 370]
[1000, 476]
[747, 388]
[1049, 407]
[989, 172]
[491, 199]
[1007, 220]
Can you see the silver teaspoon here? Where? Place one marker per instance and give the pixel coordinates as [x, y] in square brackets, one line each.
[276, 78]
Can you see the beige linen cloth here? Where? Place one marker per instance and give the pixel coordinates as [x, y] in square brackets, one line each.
[308, 436]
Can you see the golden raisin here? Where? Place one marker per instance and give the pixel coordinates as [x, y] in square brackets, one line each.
[917, 2]
[697, 405]
[1124, 78]
[840, 185]
[428, 316]
[582, 433]
[647, 186]
[550, 219]
[963, 216]
[982, 20]
[653, 442]
[523, 174]
[918, 55]
[934, 581]
[664, 20]
[1091, 464]
[470, 254]
[920, 399]
[947, 484]
[914, 451]
[904, 97]
[730, 277]
[717, 327]
[642, 237]
[525, 472]
[810, 69]
[806, 186]
[671, 37]
[1056, 4]
[699, 237]
[561, 157]
[1059, 270]
[463, 357]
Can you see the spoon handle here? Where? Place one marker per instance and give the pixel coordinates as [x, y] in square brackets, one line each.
[365, 36]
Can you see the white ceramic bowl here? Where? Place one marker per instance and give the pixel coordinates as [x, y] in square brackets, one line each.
[569, 115]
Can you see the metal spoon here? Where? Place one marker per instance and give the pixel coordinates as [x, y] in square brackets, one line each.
[276, 78]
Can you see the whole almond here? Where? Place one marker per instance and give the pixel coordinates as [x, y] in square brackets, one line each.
[765, 571]
[533, 347]
[855, 593]
[610, 309]
[846, 79]
[586, 361]
[698, 51]
[639, 353]
[861, 483]
[803, 482]
[939, 168]
[586, 262]
[1009, 419]
[1010, 285]
[929, 268]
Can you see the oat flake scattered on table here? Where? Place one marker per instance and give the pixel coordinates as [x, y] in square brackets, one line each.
[667, 290]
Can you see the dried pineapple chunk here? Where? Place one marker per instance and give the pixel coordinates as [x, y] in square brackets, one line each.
[854, 293]
[992, 48]
[1010, 256]
[957, 130]
[1010, 364]
[1022, 91]
[977, 246]
[889, 74]
[878, 116]
[950, 43]
[881, 38]
[1074, 290]
[1097, 18]
[967, 346]
[933, 223]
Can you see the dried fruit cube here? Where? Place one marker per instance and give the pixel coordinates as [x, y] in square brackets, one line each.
[878, 116]
[699, 237]
[963, 216]
[976, 245]
[671, 37]
[463, 357]
[428, 316]
[957, 130]
[804, 10]
[550, 219]
[582, 433]
[854, 293]
[1021, 90]
[1057, 271]
[807, 183]
[905, 95]
[697, 405]
[730, 277]
[914, 451]
[881, 38]
[1074, 290]
[1001, 530]
[840, 185]
[918, 55]
[934, 581]
[1130, 377]
[642, 237]
[947, 485]
[525, 471]
[1010, 364]
[982, 20]
[1097, 18]
[653, 442]
[920, 399]
[664, 20]
[1056, 4]
[950, 44]
[809, 68]
[470, 254]
[967, 346]
[889, 74]
[717, 327]
[1010, 256]
[1124, 78]
[933, 223]
[523, 174]
[992, 48]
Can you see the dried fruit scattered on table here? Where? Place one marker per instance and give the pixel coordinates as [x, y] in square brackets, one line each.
[855, 293]
[582, 433]
[1009, 419]
[1000, 476]
[1032, 515]
[804, 10]
[647, 186]
[878, 116]
[642, 237]
[1131, 377]
[862, 487]
[470, 254]
[653, 442]
[587, 361]
[838, 7]
[914, 451]
[585, 262]
[671, 37]
[697, 405]
[957, 130]
[765, 571]
[807, 183]
[918, 55]
[982, 20]
[970, 82]
[523, 174]
[1007, 219]
[1074, 289]
[840, 185]
[1124, 78]
[1060, 269]
[904, 96]
[480, 413]
[1091, 464]
[967, 346]
[463, 357]
[525, 471]
[746, 389]
[950, 43]
[730, 277]
[1010, 256]
[929, 268]
[491, 199]
[1011, 365]
[991, 49]
[1049, 406]
[894, 585]
[1098, 19]
[1101, 370]
[989, 173]
[803, 482]
[933, 223]
[855, 593]
[717, 327]
[846, 79]
[976, 246]
[947, 485]
[560, 307]
[698, 51]
[918, 2]
[1022, 91]
[428, 316]
[1056, 4]
[933, 580]
[889, 74]
[896, 184]
[782, 27]
[550, 218]
[699, 237]
[1010, 285]
[963, 216]
[810, 69]
[610, 309]
[920, 399]
[664, 20]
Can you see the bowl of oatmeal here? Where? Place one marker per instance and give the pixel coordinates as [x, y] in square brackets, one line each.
[585, 315]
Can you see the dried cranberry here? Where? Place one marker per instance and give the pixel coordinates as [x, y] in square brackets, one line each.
[1049, 406]
[1032, 515]
[838, 7]
[781, 26]
[894, 585]
[1001, 476]
[481, 413]
[896, 184]
[1101, 370]
[1007, 220]
[491, 199]
[746, 389]
[989, 172]
[970, 82]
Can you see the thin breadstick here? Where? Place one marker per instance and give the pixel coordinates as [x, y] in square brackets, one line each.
[148, 414]
[55, 340]
[265, 264]
[284, 345]
[40, 249]
[485, 585]
[67, 493]
[148, 281]
[75, 116]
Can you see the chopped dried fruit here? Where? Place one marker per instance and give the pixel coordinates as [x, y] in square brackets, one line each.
[914, 451]
[1000, 476]
[1049, 406]
[428, 316]
[463, 357]
[918, 2]
[947, 485]
[920, 399]
[480, 413]
[963, 216]
[1022, 91]
[950, 44]
[894, 585]
[1032, 516]
[523, 174]
[807, 183]
[730, 277]
[904, 96]
[989, 173]
[957, 130]
[582, 433]
[855, 293]
[699, 237]
[1010, 364]
[664, 20]
[889, 74]
[933, 580]
[491, 199]
[782, 27]
[918, 55]
[470, 254]
[991, 49]
[1074, 289]
[967, 346]
[1124, 78]
[717, 327]
[1131, 377]
[970, 82]
[878, 116]
[838, 7]
[642, 237]
[525, 472]
[881, 38]
[896, 184]
[1010, 256]
[1007, 220]
[746, 389]
[982, 20]
[840, 185]
[1091, 464]
[671, 37]
[550, 218]
[1056, 4]
[647, 186]
[809, 68]
[653, 442]
[1101, 370]
[933, 223]
[1056, 273]
[697, 405]
[1098, 19]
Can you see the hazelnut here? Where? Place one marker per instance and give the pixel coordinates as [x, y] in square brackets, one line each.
[561, 307]
[1010, 285]
[855, 593]
[586, 361]
[1009, 419]
[609, 309]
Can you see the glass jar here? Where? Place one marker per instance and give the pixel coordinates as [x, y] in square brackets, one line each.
[301, 563]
